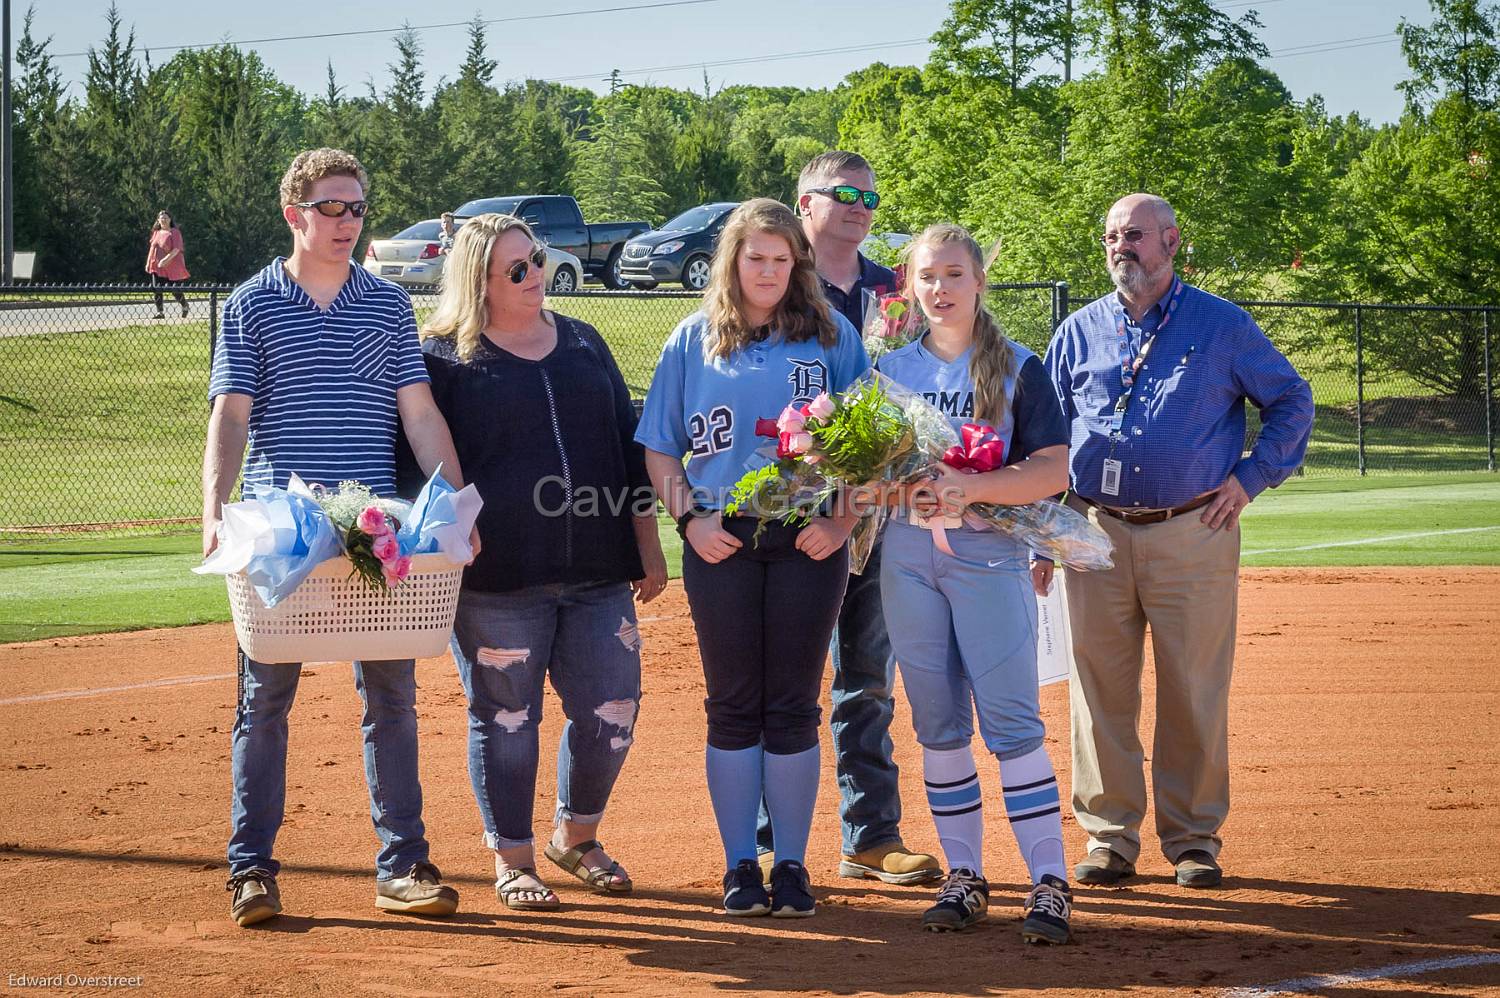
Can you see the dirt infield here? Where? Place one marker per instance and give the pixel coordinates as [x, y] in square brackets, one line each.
[1366, 743]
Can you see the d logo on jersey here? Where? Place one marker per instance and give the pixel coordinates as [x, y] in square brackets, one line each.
[809, 378]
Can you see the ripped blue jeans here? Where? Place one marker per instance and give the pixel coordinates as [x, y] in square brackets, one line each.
[585, 639]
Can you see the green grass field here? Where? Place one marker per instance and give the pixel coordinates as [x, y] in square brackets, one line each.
[83, 585]
[106, 426]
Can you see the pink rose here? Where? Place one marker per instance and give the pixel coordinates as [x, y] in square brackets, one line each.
[386, 548]
[791, 420]
[800, 442]
[372, 521]
[821, 407]
[396, 571]
[812, 458]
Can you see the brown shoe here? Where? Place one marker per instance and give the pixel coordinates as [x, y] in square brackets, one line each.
[891, 863]
[255, 897]
[1103, 866]
[1198, 868]
[420, 892]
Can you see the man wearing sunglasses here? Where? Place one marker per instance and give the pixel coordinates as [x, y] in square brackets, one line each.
[1154, 380]
[316, 357]
[836, 199]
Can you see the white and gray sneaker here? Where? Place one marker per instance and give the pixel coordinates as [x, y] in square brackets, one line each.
[963, 900]
[1048, 908]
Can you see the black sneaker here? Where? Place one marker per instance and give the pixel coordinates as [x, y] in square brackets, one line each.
[791, 891]
[744, 894]
[254, 897]
[1048, 908]
[963, 900]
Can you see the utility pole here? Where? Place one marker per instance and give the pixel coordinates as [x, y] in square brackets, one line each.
[7, 188]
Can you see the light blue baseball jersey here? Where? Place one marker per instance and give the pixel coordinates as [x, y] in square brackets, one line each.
[1032, 420]
[705, 407]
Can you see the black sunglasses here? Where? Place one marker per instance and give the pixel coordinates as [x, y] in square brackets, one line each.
[334, 208]
[521, 268]
[846, 194]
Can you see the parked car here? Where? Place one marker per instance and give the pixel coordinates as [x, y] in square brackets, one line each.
[678, 251]
[557, 221]
[411, 256]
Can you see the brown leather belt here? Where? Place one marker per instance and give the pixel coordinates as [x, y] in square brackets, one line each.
[1151, 515]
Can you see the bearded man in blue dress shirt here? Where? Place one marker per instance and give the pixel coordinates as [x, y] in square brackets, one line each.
[1154, 380]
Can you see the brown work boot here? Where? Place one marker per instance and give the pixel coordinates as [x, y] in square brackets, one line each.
[1198, 868]
[891, 863]
[1102, 867]
[255, 897]
[420, 892]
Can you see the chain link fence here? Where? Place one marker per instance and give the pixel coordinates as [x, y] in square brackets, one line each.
[103, 405]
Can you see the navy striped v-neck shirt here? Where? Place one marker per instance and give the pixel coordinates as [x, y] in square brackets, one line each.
[323, 383]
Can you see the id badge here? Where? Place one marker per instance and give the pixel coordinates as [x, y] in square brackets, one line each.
[1110, 485]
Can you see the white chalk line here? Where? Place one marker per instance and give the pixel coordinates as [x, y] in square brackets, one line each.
[102, 690]
[1368, 540]
[1319, 981]
[175, 681]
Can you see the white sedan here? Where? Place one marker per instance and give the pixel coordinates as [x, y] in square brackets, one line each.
[412, 257]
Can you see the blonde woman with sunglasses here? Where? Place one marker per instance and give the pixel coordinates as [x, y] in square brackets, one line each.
[544, 426]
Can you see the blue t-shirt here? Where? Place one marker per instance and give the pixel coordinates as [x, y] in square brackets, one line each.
[323, 383]
[706, 406]
[1033, 419]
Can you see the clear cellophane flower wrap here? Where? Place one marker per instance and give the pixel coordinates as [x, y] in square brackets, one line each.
[882, 432]
[891, 322]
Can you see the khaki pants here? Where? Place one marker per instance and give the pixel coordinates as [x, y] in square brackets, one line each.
[1182, 579]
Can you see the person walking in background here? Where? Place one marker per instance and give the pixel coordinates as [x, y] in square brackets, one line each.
[165, 262]
[544, 425]
[763, 609]
[1153, 382]
[836, 200]
[958, 601]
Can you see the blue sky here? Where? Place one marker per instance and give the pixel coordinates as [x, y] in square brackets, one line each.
[733, 36]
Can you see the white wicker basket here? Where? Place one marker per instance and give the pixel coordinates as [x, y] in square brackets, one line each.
[333, 618]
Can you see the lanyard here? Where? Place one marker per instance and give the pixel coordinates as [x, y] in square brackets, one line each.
[1130, 368]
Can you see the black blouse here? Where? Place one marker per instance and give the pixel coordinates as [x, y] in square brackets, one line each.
[550, 446]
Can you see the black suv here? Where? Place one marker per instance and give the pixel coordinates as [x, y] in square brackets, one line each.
[678, 251]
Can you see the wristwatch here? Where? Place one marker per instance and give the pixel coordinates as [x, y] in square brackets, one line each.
[689, 517]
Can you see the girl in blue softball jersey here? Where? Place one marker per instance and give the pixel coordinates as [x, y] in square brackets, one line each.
[959, 602]
[764, 610]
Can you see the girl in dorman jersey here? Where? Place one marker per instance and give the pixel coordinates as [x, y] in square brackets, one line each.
[958, 601]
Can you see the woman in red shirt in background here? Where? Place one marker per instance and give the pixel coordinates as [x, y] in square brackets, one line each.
[164, 261]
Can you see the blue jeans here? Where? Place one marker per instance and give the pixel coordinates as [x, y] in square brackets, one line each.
[863, 705]
[389, 692]
[584, 637]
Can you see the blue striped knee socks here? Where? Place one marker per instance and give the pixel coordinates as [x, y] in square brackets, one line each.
[957, 809]
[1033, 806]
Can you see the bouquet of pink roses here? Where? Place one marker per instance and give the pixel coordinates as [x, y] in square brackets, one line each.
[367, 527]
[878, 432]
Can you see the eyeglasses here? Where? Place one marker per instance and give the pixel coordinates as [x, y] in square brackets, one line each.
[518, 270]
[1129, 236]
[847, 194]
[334, 208]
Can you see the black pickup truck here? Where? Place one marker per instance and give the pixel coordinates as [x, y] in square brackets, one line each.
[556, 220]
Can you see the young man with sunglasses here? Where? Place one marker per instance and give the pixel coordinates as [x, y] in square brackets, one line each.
[1153, 380]
[316, 357]
[836, 200]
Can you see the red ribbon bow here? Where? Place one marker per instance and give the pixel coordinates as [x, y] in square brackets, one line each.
[981, 450]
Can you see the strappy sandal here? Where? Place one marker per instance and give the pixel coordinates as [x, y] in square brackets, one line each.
[513, 896]
[600, 878]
